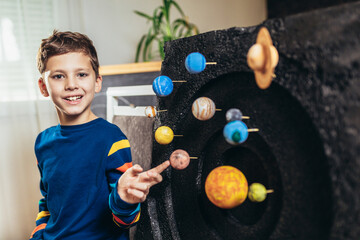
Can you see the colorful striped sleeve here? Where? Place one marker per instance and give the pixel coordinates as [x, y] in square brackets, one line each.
[124, 214]
[42, 217]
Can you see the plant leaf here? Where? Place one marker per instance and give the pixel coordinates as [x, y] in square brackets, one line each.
[178, 8]
[157, 19]
[149, 51]
[138, 49]
[196, 29]
[166, 9]
[143, 15]
[179, 27]
[175, 28]
[163, 30]
[147, 46]
[181, 30]
[180, 21]
[161, 50]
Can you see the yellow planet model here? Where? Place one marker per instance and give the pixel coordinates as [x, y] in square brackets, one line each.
[226, 187]
[164, 135]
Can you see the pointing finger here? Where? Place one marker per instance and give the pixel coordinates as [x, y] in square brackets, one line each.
[160, 168]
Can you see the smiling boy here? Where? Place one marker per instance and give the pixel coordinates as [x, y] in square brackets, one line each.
[90, 188]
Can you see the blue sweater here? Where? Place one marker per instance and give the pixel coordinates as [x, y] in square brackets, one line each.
[79, 167]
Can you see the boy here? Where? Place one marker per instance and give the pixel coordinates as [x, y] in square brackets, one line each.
[90, 188]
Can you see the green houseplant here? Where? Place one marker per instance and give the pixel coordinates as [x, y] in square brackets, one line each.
[162, 30]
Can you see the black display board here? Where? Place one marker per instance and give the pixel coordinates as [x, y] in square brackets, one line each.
[307, 149]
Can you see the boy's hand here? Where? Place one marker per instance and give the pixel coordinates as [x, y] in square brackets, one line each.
[134, 184]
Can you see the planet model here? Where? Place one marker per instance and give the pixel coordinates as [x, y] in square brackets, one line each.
[164, 135]
[195, 63]
[226, 187]
[257, 192]
[262, 58]
[233, 114]
[162, 86]
[203, 108]
[150, 111]
[235, 132]
[179, 159]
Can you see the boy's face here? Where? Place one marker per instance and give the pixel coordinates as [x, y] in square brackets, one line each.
[70, 81]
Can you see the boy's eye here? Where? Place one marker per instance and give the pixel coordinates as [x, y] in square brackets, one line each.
[82, 75]
[57, 76]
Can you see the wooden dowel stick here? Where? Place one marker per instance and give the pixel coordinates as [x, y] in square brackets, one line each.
[270, 191]
[245, 117]
[253, 130]
[211, 63]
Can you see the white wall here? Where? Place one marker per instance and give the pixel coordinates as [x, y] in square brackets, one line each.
[116, 29]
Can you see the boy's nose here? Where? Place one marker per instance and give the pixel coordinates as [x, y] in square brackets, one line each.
[71, 83]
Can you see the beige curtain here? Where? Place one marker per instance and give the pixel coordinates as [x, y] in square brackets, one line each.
[19, 177]
[23, 114]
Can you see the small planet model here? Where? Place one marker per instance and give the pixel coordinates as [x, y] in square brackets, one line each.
[179, 159]
[226, 187]
[150, 111]
[235, 132]
[195, 63]
[257, 192]
[164, 135]
[233, 114]
[203, 108]
[163, 86]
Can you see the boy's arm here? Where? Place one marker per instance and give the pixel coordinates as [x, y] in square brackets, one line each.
[43, 215]
[118, 161]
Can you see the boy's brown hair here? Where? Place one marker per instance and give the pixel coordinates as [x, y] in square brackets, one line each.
[65, 42]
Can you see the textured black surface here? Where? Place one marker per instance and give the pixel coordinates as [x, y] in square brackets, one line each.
[308, 146]
[282, 8]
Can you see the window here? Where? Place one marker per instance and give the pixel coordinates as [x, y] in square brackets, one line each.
[22, 26]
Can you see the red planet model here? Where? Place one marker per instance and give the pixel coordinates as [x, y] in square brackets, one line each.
[179, 159]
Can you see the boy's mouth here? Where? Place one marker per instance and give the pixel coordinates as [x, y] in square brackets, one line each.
[73, 98]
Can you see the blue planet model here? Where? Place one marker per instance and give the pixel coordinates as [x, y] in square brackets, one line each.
[235, 132]
[163, 86]
[195, 63]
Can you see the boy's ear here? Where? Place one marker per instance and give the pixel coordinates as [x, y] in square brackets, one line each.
[98, 84]
[42, 87]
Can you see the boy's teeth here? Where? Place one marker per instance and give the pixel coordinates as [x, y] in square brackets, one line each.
[73, 98]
